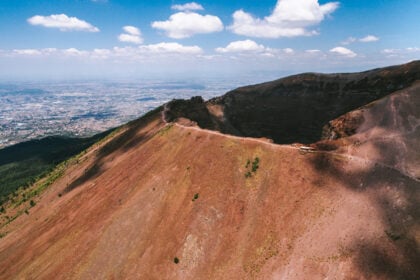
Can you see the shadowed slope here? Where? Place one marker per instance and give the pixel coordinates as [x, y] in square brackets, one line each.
[295, 108]
[22, 164]
[386, 130]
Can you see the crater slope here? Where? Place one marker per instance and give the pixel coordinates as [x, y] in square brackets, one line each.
[163, 198]
[295, 108]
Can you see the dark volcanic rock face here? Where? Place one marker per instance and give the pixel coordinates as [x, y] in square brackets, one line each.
[295, 108]
[194, 109]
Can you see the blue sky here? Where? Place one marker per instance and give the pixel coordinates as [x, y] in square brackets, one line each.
[69, 39]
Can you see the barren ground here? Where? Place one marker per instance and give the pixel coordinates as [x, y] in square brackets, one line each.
[156, 191]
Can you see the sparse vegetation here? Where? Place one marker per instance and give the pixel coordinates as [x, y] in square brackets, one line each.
[165, 129]
[24, 194]
[24, 164]
[255, 164]
[252, 167]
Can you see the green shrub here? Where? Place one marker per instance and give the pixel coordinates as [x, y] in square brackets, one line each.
[252, 167]
[195, 197]
[255, 164]
[176, 260]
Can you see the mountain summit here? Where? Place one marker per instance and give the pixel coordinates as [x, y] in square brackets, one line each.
[313, 176]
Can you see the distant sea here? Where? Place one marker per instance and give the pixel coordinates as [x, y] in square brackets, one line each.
[32, 110]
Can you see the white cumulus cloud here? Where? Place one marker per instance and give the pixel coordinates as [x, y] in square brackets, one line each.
[132, 30]
[349, 41]
[192, 6]
[343, 51]
[74, 52]
[127, 38]
[250, 48]
[369, 38]
[184, 25]
[27, 52]
[390, 51]
[132, 35]
[33, 52]
[290, 18]
[171, 48]
[288, 50]
[313, 51]
[101, 53]
[401, 51]
[366, 39]
[411, 49]
[62, 22]
[152, 51]
[241, 46]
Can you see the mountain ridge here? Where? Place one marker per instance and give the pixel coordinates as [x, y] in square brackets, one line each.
[163, 198]
[294, 108]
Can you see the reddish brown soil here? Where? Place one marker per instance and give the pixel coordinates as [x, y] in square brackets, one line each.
[128, 209]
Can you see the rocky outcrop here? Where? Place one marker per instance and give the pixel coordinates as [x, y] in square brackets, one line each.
[193, 109]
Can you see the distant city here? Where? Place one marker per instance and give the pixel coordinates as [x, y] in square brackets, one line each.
[80, 109]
